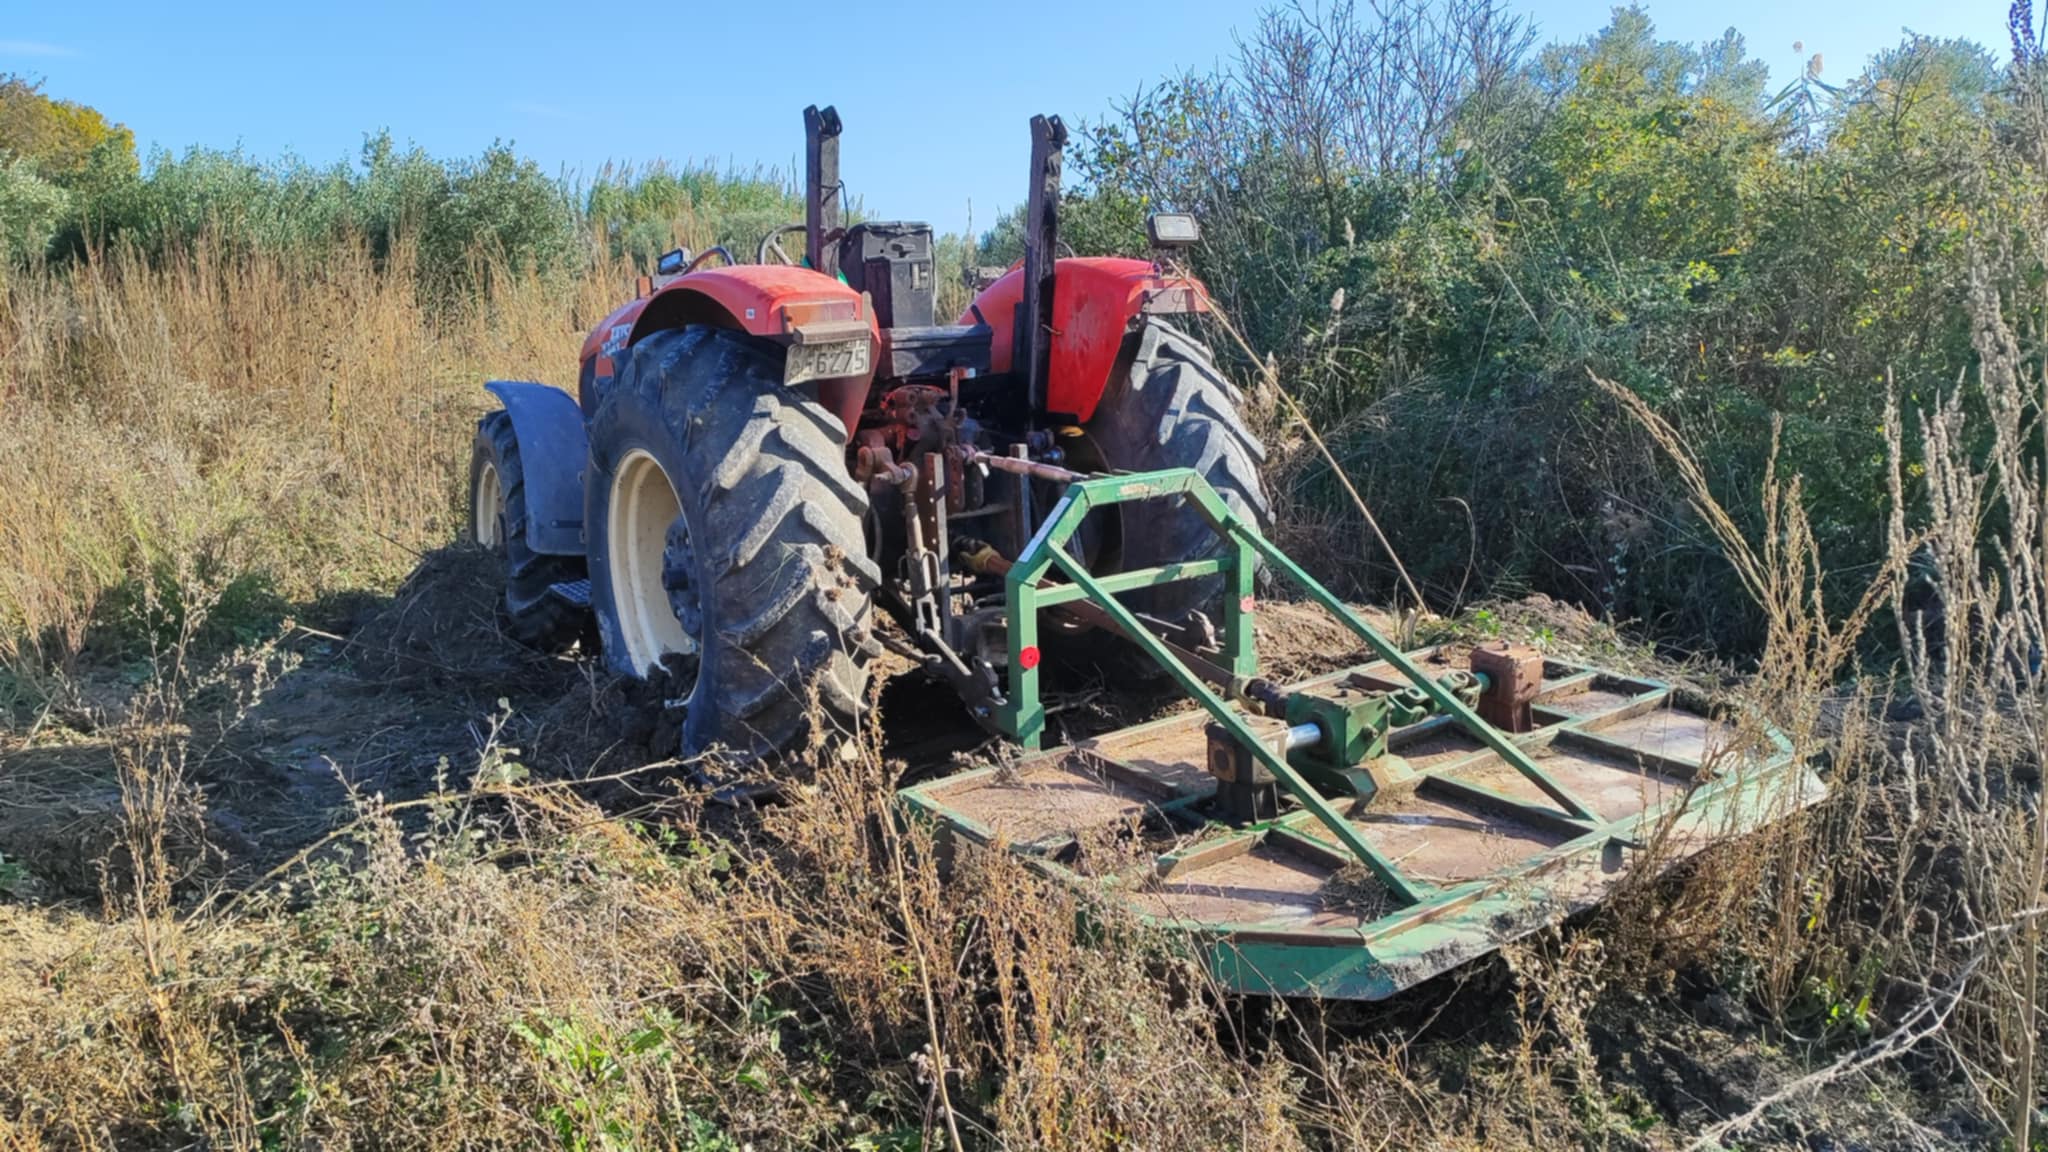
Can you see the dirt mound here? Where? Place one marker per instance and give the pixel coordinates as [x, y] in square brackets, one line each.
[443, 622]
[1298, 639]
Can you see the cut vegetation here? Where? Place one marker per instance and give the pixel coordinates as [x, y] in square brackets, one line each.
[310, 837]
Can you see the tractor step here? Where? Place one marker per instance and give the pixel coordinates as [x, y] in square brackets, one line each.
[1280, 907]
[575, 592]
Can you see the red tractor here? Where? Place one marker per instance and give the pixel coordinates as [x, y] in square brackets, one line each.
[764, 451]
[760, 452]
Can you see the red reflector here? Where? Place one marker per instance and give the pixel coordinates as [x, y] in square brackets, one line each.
[1028, 658]
[796, 312]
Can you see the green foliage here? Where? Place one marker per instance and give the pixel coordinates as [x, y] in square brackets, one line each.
[13, 877]
[498, 205]
[31, 210]
[447, 213]
[642, 213]
[588, 1073]
[53, 154]
[1437, 276]
[234, 200]
[70, 189]
[1651, 154]
[64, 140]
[148, 614]
[1838, 1010]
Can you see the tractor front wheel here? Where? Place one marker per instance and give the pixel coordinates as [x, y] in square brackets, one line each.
[727, 562]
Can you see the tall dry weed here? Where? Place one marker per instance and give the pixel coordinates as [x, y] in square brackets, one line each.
[503, 965]
[1906, 912]
[299, 426]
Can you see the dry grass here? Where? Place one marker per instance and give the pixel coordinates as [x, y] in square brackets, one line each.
[190, 450]
[1904, 916]
[297, 427]
[508, 966]
[497, 964]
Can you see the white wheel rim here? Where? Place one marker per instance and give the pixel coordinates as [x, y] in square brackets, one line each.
[488, 507]
[643, 505]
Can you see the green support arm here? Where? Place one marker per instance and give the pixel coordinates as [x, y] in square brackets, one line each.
[1023, 715]
[1386, 650]
[1404, 889]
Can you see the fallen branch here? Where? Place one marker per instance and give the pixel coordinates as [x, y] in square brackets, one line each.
[1925, 1020]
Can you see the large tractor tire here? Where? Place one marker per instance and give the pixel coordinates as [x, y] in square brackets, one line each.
[1173, 409]
[497, 520]
[727, 562]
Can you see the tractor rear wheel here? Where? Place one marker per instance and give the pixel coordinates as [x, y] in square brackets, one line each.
[1173, 409]
[497, 521]
[727, 562]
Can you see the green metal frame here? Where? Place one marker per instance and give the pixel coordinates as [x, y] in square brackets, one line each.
[1022, 714]
[1428, 927]
[1452, 924]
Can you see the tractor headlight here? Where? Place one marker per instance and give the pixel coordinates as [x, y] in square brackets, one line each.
[1172, 230]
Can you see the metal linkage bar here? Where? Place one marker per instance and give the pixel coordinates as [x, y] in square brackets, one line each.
[1404, 889]
[1136, 578]
[1386, 650]
[1024, 715]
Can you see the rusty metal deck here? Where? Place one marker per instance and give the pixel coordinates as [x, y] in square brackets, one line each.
[1280, 907]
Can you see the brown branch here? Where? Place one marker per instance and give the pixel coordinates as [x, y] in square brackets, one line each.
[1272, 375]
[1925, 1020]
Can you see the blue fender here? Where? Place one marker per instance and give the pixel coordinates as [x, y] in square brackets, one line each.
[554, 450]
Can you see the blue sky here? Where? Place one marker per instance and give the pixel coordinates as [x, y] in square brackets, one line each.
[935, 96]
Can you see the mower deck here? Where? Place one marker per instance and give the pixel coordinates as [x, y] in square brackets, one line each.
[1279, 907]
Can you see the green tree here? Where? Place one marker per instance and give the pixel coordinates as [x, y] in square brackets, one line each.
[66, 141]
[31, 210]
[1437, 268]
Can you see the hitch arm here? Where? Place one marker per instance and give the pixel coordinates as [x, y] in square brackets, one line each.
[1445, 700]
[1383, 869]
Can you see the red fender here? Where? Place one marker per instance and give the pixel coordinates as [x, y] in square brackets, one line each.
[1096, 303]
[763, 299]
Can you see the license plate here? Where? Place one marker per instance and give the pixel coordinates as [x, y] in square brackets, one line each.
[824, 361]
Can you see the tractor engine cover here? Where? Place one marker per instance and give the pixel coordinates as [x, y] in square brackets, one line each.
[892, 262]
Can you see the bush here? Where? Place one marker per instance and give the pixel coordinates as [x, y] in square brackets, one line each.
[453, 218]
[641, 213]
[31, 210]
[1438, 234]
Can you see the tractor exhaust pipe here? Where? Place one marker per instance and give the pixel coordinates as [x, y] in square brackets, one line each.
[821, 189]
[1041, 241]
